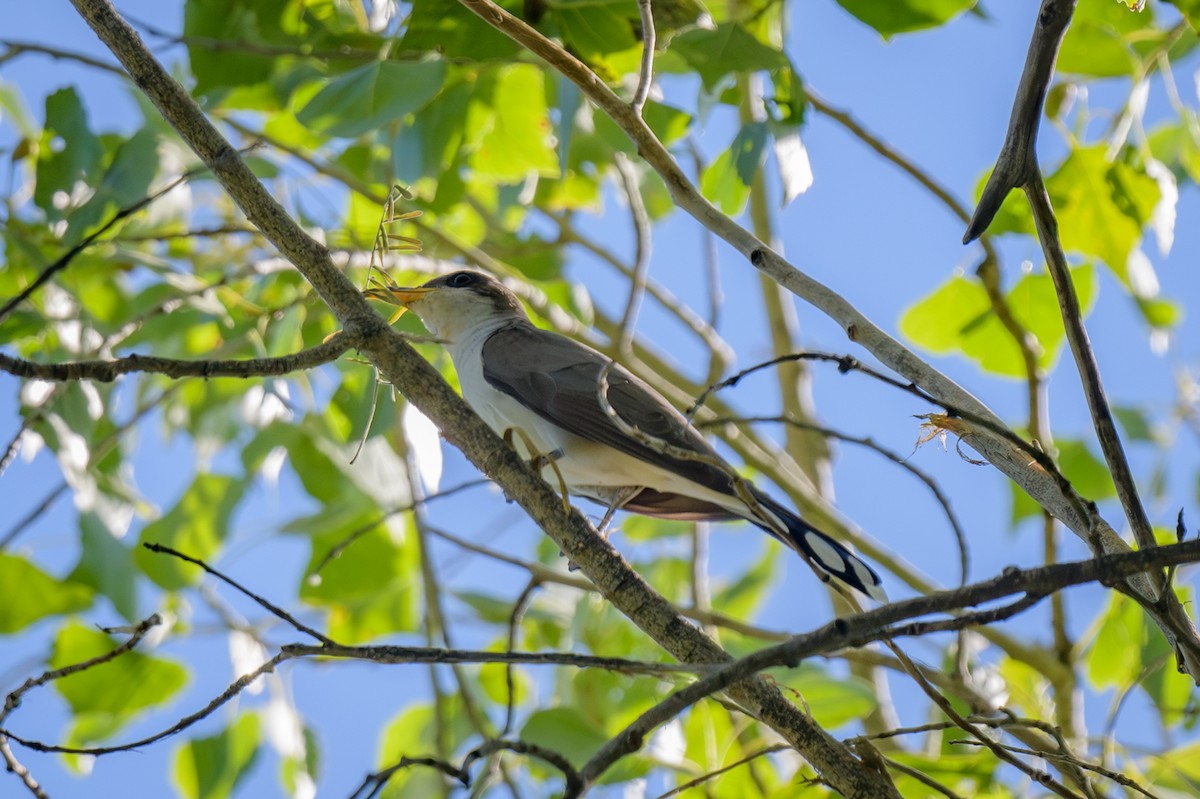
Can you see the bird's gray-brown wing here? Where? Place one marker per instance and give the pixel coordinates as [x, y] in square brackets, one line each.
[558, 379]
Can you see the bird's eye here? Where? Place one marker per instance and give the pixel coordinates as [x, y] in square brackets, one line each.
[460, 279]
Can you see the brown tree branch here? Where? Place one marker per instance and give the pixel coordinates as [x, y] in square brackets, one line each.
[108, 370]
[1085, 360]
[1017, 161]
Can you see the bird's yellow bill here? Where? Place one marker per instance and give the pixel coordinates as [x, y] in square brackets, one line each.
[395, 295]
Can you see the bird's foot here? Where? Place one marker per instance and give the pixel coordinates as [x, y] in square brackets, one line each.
[540, 460]
[617, 500]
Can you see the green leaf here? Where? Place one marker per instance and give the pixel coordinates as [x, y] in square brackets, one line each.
[1190, 10]
[448, 28]
[1099, 41]
[107, 565]
[594, 31]
[210, 768]
[743, 597]
[901, 16]
[372, 96]
[1172, 143]
[1166, 687]
[1160, 313]
[429, 146]
[1101, 206]
[1135, 423]
[566, 731]
[830, 700]
[727, 49]
[31, 594]
[118, 688]
[727, 180]
[938, 322]
[514, 122]
[1034, 304]
[958, 317]
[69, 153]
[411, 733]
[14, 111]
[196, 526]
[232, 21]
[374, 587]
[1115, 657]
[669, 124]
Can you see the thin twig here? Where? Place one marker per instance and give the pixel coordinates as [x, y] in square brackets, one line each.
[107, 371]
[646, 72]
[374, 783]
[642, 245]
[1039, 777]
[264, 603]
[1085, 360]
[514, 625]
[235, 688]
[712, 775]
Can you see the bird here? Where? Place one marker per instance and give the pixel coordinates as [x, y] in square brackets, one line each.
[606, 434]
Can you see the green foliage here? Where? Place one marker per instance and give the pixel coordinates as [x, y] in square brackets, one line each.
[370, 96]
[729, 48]
[196, 526]
[513, 168]
[727, 180]
[959, 317]
[107, 696]
[210, 768]
[902, 16]
[31, 594]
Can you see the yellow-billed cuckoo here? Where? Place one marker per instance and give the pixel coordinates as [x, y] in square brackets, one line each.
[547, 388]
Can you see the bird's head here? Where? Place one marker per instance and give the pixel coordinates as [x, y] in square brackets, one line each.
[452, 304]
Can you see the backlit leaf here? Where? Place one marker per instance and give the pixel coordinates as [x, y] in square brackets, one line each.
[196, 526]
[210, 768]
[901, 16]
[372, 96]
[31, 594]
[117, 688]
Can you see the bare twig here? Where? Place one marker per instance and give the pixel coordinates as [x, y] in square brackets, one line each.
[646, 73]
[107, 371]
[574, 785]
[514, 626]
[1017, 161]
[447, 656]
[1085, 360]
[712, 775]
[373, 783]
[1040, 777]
[235, 688]
[266, 604]
[341, 546]
[642, 245]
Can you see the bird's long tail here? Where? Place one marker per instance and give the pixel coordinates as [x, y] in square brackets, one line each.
[822, 550]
